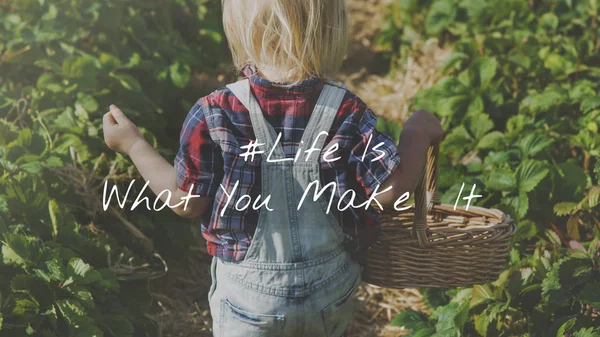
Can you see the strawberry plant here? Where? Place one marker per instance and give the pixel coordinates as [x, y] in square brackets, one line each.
[520, 106]
[68, 267]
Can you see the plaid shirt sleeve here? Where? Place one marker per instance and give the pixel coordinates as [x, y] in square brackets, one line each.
[199, 162]
[374, 153]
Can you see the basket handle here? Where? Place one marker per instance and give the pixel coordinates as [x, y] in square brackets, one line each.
[426, 195]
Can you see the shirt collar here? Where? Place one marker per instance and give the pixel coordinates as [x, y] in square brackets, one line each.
[262, 86]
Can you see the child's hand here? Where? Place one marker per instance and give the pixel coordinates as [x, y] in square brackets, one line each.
[427, 123]
[120, 134]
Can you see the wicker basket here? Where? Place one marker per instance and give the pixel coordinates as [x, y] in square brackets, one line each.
[437, 246]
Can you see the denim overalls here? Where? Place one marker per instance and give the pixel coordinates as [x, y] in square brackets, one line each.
[297, 278]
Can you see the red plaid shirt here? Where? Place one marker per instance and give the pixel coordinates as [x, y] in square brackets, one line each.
[219, 125]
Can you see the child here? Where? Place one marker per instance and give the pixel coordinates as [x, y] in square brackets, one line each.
[282, 263]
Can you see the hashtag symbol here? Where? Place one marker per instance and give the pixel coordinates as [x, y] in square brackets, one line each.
[251, 150]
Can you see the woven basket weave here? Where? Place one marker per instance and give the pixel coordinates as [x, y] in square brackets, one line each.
[437, 246]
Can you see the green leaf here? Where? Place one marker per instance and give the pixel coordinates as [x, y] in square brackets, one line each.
[566, 327]
[73, 312]
[501, 180]
[590, 104]
[565, 275]
[517, 124]
[592, 126]
[84, 297]
[53, 161]
[82, 273]
[24, 306]
[21, 250]
[552, 281]
[474, 8]
[33, 167]
[410, 320]
[180, 74]
[530, 173]
[543, 102]
[523, 204]
[42, 275]
[573, 227]
[441, 14]
[119, 325]
[481, 294]
[493, 140]
[549, 21]
[476, 105]
[590, 332]
[51, 14]
[37, 290]
[450, 332]
[526, 230]
[108, 280]
[553, 237]
[533, 143]
[593, 247]
[390, 127]
[452, 60]
[66, 121]
[590, 292]
[577, 250]
[434, 297]
[487, 70]
[87, 102]
[571, 181]
[56, 271]
[428, 332]
[593, 196]
[453, 316]
[558, 64]
[78, 67]
[458, 138]
[482, 323]
[478, 125]
[564, 208]
[127, 81]
[66, 141]
[521, 60]
[533, 287]
[53, 209]
[446, 316]
[91, 331]
[48, 65]
[78, 267]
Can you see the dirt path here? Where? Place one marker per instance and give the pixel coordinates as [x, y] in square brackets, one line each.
[388, 95]
[180, 308]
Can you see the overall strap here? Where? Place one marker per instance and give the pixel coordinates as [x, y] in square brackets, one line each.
[322, 117]
[263, 131]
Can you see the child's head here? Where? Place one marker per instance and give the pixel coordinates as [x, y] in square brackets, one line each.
[294, 39]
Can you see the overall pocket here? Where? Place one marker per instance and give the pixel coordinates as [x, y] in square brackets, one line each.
[237, 322]
[338, 315]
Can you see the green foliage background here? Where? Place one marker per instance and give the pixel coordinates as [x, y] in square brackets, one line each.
[67, 268]
[520, 106]
[519, 101]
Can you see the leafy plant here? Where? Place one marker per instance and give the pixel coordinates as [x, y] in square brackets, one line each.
[68, 267]
[510, 306]
[520, 106]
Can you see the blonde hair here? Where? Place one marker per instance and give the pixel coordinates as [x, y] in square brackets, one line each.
[295, 39]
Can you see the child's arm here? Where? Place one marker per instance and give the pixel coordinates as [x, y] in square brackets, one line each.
[122, 136]
[420, 131]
